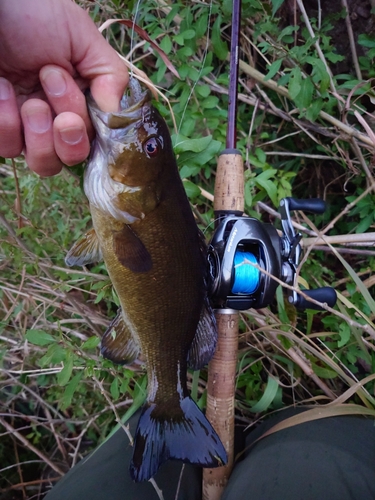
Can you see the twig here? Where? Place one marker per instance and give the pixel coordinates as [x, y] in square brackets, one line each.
[276, 214]
[298, 360]
[351, 40]
[365, 239]
[29, 483]
[271, 84]
[353, 251]
[317, 46]
[31, 447]
[112, 406]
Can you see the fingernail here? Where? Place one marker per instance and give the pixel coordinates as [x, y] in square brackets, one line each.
[39, 121]
[71, 135]
[54, 82]
[5, 89]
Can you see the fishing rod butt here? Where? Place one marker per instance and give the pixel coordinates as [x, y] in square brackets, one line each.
[220, 399]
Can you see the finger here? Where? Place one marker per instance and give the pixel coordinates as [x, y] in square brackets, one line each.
[72, 144]
[11, 140]
[64, 94]
[107, 91]
[40, 151]
[96, 61]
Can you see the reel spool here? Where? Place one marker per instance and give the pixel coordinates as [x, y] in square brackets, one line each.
[242, 247]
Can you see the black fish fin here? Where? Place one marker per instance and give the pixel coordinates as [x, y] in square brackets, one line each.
[130, 251]
[118, 343]
[204, 343]
[184, 435]
[85, 251]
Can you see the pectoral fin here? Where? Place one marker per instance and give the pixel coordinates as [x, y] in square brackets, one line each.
[204, 343]
[85, 251]
[118, 343]
[130, 251]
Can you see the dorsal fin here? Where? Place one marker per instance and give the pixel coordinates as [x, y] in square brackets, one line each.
[118, 343]
[130, 251]
[204, 343]
[85, 251]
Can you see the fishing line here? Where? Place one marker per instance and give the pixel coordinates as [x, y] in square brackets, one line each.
[246, 275]
[132, 36]
[202, 66]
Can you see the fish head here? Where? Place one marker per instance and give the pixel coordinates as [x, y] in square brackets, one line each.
[129, 155]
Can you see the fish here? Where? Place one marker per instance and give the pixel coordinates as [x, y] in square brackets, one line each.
[155, 254]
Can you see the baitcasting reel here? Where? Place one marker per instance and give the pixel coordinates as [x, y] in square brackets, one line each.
[244, 255]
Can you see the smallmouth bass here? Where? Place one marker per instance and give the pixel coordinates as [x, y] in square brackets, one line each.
[145, 232]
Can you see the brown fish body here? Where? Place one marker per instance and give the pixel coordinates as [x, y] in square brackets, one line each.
[163, 305]
[146, 234]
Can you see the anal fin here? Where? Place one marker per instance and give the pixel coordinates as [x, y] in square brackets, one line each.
[118, 343]
[85, 251]
[204, 343]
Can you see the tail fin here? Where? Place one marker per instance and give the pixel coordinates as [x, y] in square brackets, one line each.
[184, 435]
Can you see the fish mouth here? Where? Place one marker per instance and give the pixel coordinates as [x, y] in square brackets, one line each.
[131, 108]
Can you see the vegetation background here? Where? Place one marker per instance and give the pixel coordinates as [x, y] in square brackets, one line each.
[305, 127]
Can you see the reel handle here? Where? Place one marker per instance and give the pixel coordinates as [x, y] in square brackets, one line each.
[326, 294]
[313, 205]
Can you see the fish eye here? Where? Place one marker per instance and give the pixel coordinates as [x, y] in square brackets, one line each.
[151, 147]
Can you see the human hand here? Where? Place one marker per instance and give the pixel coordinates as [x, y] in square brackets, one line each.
[50, 52]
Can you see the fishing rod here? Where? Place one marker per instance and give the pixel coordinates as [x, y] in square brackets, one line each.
[228, 201]
[247, 259]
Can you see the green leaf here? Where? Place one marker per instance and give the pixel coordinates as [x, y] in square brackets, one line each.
[201, 25]
[314, 109]
[188, 34]
[261, 155]
[184, 53]
[192, 191]
[294, 87]
[276, 4]
[182, 143]
[266, 174]
[270, 188]
[91, 343]
[304, 97]
[166, 44]
[323, 372]
[273, 69]
[70, 389]
[344, 332]
[179, 39]
[210, 102]
[366, 40]
[114, 389]
[333, 57]
[64, 376]
[203, 90]
[39, 337]
[189, 171]
[191, 160]
[365, 223]
[286, 32]
[319, 73]
[55, 354]
[219, 47]
[268, 396]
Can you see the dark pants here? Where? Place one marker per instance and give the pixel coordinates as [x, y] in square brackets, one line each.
[328, 459]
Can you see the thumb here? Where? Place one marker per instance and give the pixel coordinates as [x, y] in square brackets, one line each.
[99, 64]
[108, 89]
